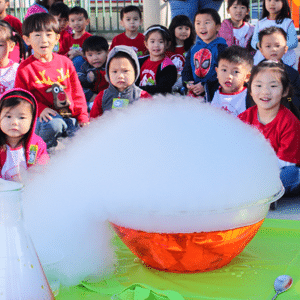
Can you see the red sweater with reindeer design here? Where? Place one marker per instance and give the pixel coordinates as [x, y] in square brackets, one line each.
[38, 77]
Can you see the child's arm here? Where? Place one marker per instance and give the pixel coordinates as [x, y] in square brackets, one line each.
[226, 32]
[292, 40]
[96, 110]
[254, 39]
[113, 43]
[187, 74]
[83, 76]
[295, 83]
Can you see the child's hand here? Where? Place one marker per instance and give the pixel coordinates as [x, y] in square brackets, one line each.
[84, 124]
[91, 76]
[46, 114]
[74, 52]
[197, 88]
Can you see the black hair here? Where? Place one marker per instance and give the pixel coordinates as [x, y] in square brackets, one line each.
[182, 20]
[60, 9]
[13, 102]
[240, 2]
[77, 10]
[237, 54]
[43, 3]
[40, 22]
[11, 34]
[285, 12]
[279, 68]
[165, 33]
[128, 9]
[209, 11]
[269, 31]
[95, 43]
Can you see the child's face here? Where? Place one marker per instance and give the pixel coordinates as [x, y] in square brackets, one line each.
[182, 32]
[156, 45]
[63, 22]
[16, 121]
[273, 6]
[121, 73]
[6, 46]
[3, 6]
[96, 58]
[206, 28]
[42, 43]
[238, 12]
[131, 21]
[232, 76]
[78, 23]
[267, 91]
[273, 46]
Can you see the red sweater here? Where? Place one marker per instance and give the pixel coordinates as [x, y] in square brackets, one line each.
[70, 43]
[38, 77]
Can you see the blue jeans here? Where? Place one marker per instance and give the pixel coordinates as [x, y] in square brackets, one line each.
[190, 7]
[57, 127]
[290, 177]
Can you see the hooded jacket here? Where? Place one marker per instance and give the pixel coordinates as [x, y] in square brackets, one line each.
[105, 99]
[35, 148]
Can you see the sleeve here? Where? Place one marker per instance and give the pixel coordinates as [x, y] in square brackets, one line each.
[295, 83]
[187, 74]
[145, 95]
[226, 32]
[82, 75]
[64, 46]
[42, 156]
[164, 82]
[96, 110]
[292, 39]
[254, 40]
[221, 48]
[113, 43]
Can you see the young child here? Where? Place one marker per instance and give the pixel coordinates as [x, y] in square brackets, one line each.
[158, 73]
[60, 12]
[269, 87]
[199, 72]
[182, 39]
[122, 71]
[20, 147]
[14, 22]
[8, 68]
[273, 45]
[233, 72]
[52, 79]
[277, 13]
[236, 30]
[92, 72]
[131, 20]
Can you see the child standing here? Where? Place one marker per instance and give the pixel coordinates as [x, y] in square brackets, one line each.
[20, 147]
[122, 70]
[158, 73]
[236, 30]
[92, 72]
[131, 20]
[53, 80]
[269, 88]
[199, 72]
[233, 72]
[277, 13]
[182, 39]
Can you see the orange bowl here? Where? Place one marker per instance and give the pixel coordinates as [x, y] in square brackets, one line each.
[187, 252]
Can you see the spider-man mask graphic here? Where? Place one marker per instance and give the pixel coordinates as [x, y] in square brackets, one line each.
[202, 61]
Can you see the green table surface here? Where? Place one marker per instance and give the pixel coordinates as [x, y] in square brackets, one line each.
[273, 251]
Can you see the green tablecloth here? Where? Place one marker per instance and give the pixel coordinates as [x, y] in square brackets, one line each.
[274, 251]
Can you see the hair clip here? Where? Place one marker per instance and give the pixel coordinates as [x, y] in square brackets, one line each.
[155, 28]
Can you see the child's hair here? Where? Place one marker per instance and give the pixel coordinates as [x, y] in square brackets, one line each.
[12, 99]
[237, 54]
[43, 3]
[284, 13]
[128, 9]
[209, 11]
[269, 31]
[279, 68]
[95, 43]
[8, 33]
[60, 9]
[77, 10]
[165, 33]
[239, 2]
[40, 22]
[181, 20]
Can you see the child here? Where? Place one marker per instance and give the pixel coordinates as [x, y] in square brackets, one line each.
[233, 72]
[131, 20]
[199, 72]
[277, 13]
[92, 72]
[273, 45]
[60, 12]
[158, 73]
[52, 79]
[182, 39]
[20, 147]
[269, 87]
[236, 30]
[122, 70]
[8, 68]
[14, 22]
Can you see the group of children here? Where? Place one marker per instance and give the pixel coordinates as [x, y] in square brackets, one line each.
[70, 78]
